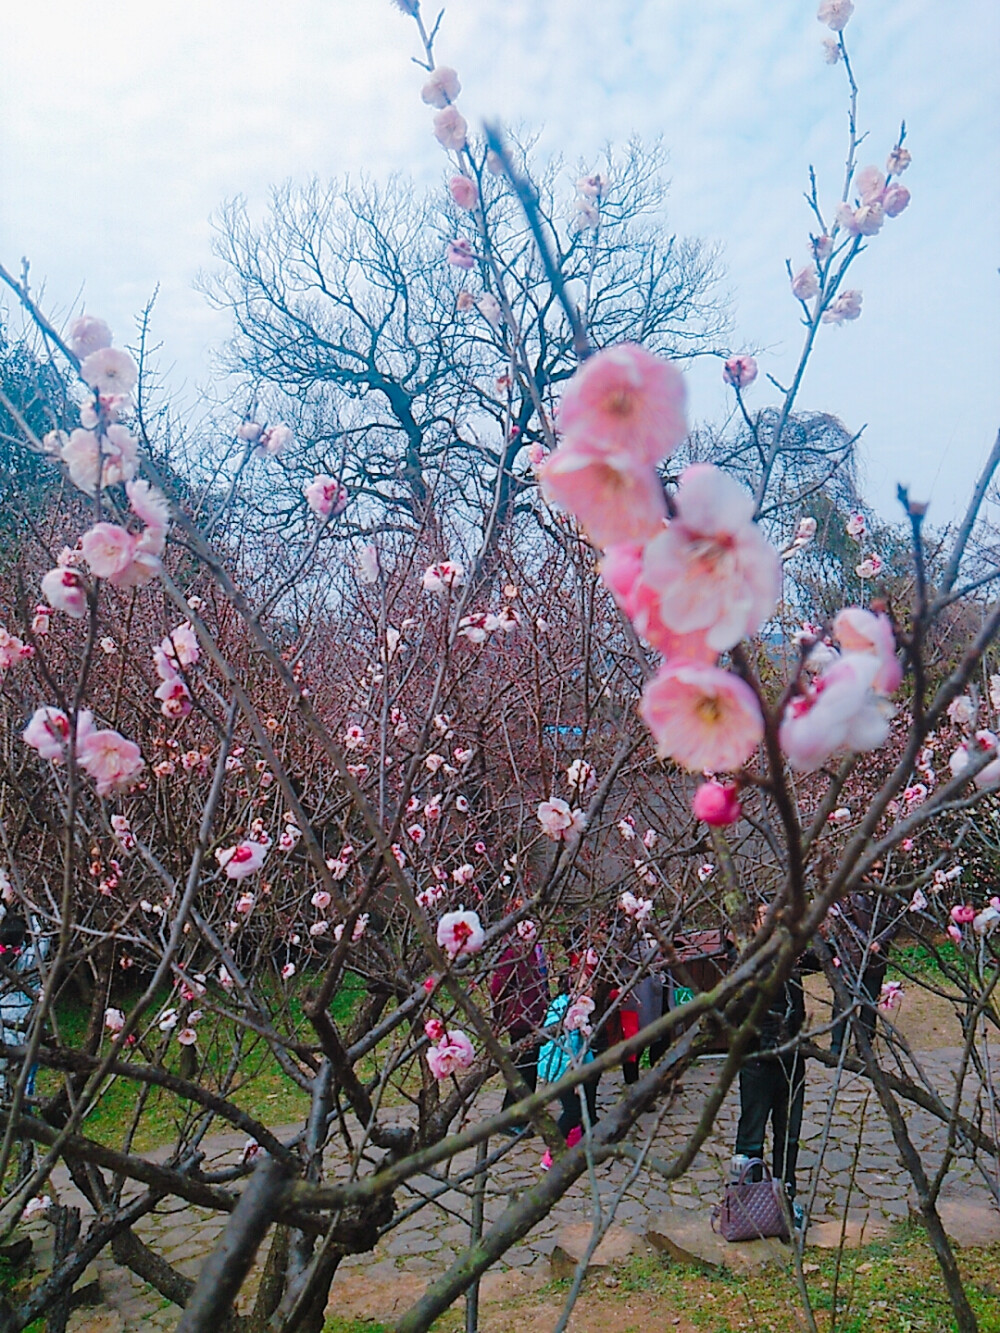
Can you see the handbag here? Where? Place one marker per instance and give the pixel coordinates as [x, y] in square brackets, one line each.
[751, 1209]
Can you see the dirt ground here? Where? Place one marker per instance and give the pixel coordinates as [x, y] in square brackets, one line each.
[927, 1022]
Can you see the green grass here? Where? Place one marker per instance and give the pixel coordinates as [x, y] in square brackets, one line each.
[261, 1087]
[914, 958]
[338, 1325]
[889, 1286]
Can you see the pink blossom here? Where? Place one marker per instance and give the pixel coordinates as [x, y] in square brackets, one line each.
[441, 88]
[110, 371]
[628, 402]
[464, 192]
[869, 568]
[175, 698]
[593, 186]
[895, 200]
[460, 933]
[586, 216]
[88, 334]
[275, 440]
[65, 590]
[716, 804]
[88, 462]
[985, 922]
[856, 526]
[918, 902]
[890, 995]
[489, 307]
[416, 833]
[360, 926]
[434, 1029]
[463, 874]
[702, 717]
[899, 159]
[869, 219]
[111, 760]
[861, 631]
[614, 498]
[151, 506]
[108, 550]
[443, 577]
[831, 50]
[740, 371]
[354, 737]
[460, 254]
[114, 1020]
[869, 183]
[805, 283]
[845, 219]
[187, 1036]
[622, 571]
[712, 569]
[178, 650]
[835, 13]
[451, 129]
[558, 821]
[464, 302]
[527, 930]
[847, 305]
[166, 768]
[246, 858]
[453, 1053]
[637, 909]
[288, 971]
[838, 712]
[955, 933]
[321, 900]
[577, 1015]
[581, 776]
[325, 495]
[40, 620]
[963, 914]
[249, 431]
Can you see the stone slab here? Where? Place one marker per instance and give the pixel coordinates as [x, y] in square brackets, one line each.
[572, 1240]
[970, 1223]
[686, 1235]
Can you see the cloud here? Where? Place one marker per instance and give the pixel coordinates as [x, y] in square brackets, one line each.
[123, 136]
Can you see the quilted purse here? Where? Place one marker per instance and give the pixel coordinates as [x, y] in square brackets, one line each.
[751, 1209]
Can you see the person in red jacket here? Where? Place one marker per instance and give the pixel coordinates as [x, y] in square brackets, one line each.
[519, 989]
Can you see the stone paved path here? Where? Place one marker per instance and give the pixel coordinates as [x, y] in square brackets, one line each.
[870, 1187]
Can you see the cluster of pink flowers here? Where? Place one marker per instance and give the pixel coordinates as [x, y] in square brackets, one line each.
[270, 441]
[12, 650]
[845, 708]
[452, 1052]
[697, 583]
[637, 909]
[877, 197]
[178, 651]
[123, 558]
[478, 626]
[106, 756]
[590, 190]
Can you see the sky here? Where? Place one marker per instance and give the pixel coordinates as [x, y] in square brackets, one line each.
[122, 130]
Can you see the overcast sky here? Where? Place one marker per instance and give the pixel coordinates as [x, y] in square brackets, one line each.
[123, 128]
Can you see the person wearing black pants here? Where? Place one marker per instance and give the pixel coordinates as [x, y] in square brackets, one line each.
[773, 1089]
[572, 1111]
